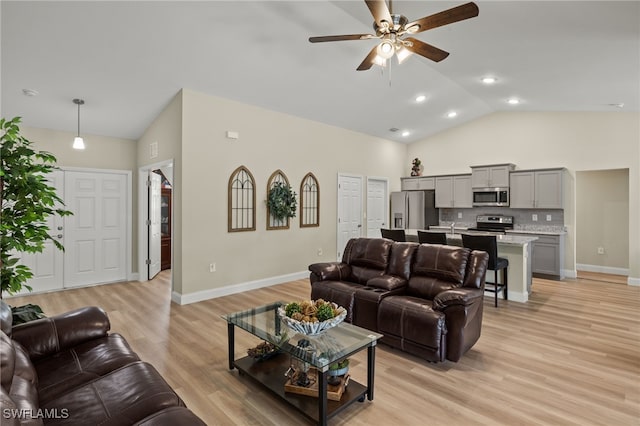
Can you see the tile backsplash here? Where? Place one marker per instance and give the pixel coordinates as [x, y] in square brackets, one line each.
[522, 218]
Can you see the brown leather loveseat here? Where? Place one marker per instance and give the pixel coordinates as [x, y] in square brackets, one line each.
[68, 370]
[425, 299]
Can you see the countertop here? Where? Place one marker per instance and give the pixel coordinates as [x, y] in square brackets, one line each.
[514, 240]
[543, 230]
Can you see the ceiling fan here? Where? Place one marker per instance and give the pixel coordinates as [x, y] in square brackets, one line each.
[393, 30]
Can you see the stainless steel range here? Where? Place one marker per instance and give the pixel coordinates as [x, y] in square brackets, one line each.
[495, 224]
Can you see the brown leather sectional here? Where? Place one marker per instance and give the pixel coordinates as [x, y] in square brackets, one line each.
[68, 370]
[425, 299]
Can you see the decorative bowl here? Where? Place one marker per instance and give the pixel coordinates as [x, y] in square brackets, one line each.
[312, 328]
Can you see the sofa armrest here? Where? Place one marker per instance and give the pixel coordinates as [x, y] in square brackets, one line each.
[47, 336]
[330, 271]
[387, 282]
[457, 297]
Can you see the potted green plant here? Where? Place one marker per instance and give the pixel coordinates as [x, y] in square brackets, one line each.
[27, 200]
[339, 368]
[282, 201]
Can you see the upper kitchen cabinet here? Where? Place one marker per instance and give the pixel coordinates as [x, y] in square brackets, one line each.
[419, 183]
[453, 191]
[496, 176]
[537, 189]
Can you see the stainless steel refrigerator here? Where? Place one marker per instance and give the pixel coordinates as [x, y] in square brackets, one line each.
[414, 209]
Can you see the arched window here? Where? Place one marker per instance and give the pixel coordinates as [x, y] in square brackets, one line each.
[274, 223]
[309, 201]
[242, 201]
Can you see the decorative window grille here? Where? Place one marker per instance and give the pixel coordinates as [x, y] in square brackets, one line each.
[272, 222]
[242, 201]
[309, 201]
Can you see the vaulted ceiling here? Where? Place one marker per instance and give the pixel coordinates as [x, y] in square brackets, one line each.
[128, 59]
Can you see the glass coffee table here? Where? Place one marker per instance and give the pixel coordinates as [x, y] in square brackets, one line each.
[313, 352]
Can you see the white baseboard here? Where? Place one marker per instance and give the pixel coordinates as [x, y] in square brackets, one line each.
[633, 281]
[569, 273]
[602, 269]
[199, 296]
[133, 276]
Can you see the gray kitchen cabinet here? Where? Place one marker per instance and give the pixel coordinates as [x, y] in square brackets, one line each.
[547, 254]
[453, 191]
[536, 189]
[491, 176]
[420, 183]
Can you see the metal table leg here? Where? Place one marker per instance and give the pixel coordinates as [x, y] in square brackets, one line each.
[231, 338]
[371, 363]
[322, 398]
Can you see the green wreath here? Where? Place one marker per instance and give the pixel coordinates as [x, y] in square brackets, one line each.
[282, 201]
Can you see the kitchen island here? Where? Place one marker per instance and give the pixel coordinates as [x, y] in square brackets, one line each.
[515, 248]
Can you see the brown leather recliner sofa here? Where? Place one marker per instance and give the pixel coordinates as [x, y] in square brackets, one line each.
[425, 299]
[68, 370]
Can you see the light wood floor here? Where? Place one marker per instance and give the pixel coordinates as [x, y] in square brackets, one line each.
[571, 355]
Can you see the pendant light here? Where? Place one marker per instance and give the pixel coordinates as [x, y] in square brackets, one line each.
[78, 142]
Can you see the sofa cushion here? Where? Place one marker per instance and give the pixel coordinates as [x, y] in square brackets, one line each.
[340, 292]
[81, 364]
[124, 396]
[172, 416]
[368, 258]
[413, 319]
[24, 386]
[437, 268]
[400, 259]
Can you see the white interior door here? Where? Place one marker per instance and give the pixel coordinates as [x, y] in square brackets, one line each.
[96, 234]
[377, 206]
[349, 210]
[47, 267]
[155, 219]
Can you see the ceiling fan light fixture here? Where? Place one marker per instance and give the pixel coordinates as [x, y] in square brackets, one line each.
[402, 53]
[386, 49]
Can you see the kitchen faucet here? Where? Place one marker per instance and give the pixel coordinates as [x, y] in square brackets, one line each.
[453, 224]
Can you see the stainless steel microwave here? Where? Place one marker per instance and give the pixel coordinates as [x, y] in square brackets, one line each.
[491, 197]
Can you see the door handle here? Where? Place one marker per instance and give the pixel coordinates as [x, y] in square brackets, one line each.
[59, 236]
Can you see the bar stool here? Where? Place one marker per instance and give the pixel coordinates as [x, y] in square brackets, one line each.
[432, 237]
[394, 234]
[489, 244]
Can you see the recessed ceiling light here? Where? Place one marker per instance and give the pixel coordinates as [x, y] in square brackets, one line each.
[452, 114]
[30, 92]
[421, 98]
[513, 101]
[620, 105]
[489, 80]
[406, 133]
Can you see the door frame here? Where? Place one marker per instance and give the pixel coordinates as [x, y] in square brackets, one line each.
[339, 205]
[143, 214]
[387, 216]
[129, 178]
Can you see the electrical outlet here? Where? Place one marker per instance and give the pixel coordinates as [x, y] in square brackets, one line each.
[534, 217]
[600, 250]
[548, 218]
[212, 267]
[459, 215]
[319, 252]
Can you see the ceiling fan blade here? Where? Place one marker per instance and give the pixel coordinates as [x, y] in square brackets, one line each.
[369, 60]
[449, 16]
[380, 11]
[425, 49]
[340, 37]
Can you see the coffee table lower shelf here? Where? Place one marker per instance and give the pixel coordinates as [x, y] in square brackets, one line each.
[270, 373]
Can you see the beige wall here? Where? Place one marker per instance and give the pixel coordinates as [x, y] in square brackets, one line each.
[101, 153]
[166, 130]
[268, 141]
[602, 218]
[575, 140]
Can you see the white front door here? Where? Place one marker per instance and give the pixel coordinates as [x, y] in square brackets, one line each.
[377, 206]
[96, 234]
[155, 219]
[47, 267]
[349, 210]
